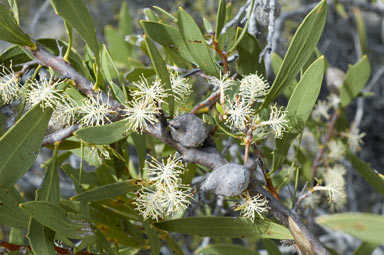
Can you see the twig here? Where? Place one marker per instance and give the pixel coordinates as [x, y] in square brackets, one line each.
[305, 240]
[271, 26]
[237, 17]
[207, 102]
[319, 156]
[60, 135]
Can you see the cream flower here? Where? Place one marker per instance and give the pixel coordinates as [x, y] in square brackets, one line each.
[253, 87]
[181, 89]
[354, 137]
[336, 150]
[165, 173]
[239, 112]
[223, 83]
[151, 93]
[9, 85]
[277, 121]
[139, 114]
[321, 110]
[95, 111]
[44, 93]
[253, 206]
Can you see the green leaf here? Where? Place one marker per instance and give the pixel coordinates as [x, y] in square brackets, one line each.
[53, 217]
[106, 192]
[167, 14]
[153, 237]
[168, 37]
[196, 44]
[10, 31]
[271, 247]
[105, 134]
[220, 18]
[365, 170]
[76, 14]
[136, 73]
[365, 248]
[15, 10]
[125, 19]
[207, 25]
[360, 24]
[225, 249]
[161, 71]
[249, 50]
[299, 108]
[302, 45]
[20, 145]
[355, 80]
[276, 65]
[119, 48]
[225, 227]
[10, 214]
[364, 226]
[14, 55]
[41, 238]
[50, 190]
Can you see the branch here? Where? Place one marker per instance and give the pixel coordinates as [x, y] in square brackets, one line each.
[60, 135]
[320, 153]
[305, 240]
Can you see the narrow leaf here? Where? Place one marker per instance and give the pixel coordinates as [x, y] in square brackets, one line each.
[10, 31]
[364, 226]
[76, 14]
[249, 50]
[366, 171]
[153, 237]
[354, 81]
[108, 191]
[302, 45]
[225, 249]
[220, 18]
[195, 42]
[105, 134]
[168, 37]
[20, 145]
[10, 214]
[161, 70]
[53, 217]
[225, 227]
[299, 108]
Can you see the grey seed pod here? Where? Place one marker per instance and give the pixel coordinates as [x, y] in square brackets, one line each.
[228, 180]
[189, 130]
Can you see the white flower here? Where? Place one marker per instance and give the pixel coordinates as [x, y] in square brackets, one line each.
[223, 84]
[98, 152]
[44, 93]
[167, 195]
[335, 187]
[252, 206]
[336, 150]
[139, 113]
[239, 113]
[9, 85]
[147, 203]
[355, 138]
[180, 87]
[333, 101]
[277, 121]
[151, 93]
[174, 199]
[252, 87]
[165, 173]
[95, 111]
[321, 110]
[66, 111]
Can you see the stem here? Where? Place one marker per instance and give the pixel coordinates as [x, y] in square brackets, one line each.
[320, 153]
[68, 28]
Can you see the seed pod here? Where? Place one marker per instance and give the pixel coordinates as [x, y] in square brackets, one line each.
[228, 180]
[189, 130]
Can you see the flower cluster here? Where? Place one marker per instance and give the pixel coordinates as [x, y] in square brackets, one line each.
[239, 112]
[253, 206]
[9, 85]
[166, 195]
[334, 185]
[45, 93]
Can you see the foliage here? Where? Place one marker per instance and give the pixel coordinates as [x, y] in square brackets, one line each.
[144, 139]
